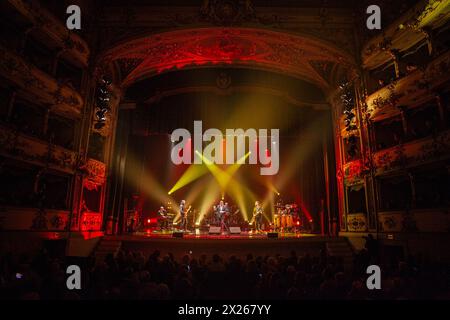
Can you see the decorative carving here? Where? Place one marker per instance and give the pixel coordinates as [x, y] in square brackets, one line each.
[323, 68]
[238, 46]
[390, 222]
[412, 89]
[424, 150]
[354, 171]
[227, 12]
[47, 90]
[406, 32]
[30, 149]
[40, 221]
[41, 18]
[91, 221]
[96, 172]
[223, 80]
[356, 222]
[127, 65]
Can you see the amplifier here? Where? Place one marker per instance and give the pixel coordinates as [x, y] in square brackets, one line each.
[235, 230]
[272, 234]
[214, 230]
[177, 234]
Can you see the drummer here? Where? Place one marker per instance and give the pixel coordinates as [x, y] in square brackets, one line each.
[277, 216]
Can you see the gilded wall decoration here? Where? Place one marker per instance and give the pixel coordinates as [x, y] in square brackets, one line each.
[34, 150]
[390, 222]
[357, 222]
[41, 18]
[227, 12]
[96, 171]
[286, 53]
[413, 153]
[91, 221]
[414, 88]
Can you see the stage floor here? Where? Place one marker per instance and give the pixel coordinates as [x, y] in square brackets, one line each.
[196, 244]
[198, 234]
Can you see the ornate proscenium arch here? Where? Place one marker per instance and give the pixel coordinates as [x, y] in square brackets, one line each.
[302, 56]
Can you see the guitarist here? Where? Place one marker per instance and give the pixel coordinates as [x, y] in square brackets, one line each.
[183, 214]
[224, 217]
[257, 216]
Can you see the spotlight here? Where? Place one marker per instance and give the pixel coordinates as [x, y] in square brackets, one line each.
[106, 81]
[148, 220]
[101, 115]
[99, 125]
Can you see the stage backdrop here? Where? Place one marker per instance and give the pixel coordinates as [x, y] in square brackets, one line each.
[150, 172]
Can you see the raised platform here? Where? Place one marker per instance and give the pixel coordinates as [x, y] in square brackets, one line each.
[224, 245]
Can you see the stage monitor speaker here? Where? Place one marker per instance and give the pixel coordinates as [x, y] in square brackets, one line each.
[214, 230]
[177, 234]
[272, 235]
[235, 230]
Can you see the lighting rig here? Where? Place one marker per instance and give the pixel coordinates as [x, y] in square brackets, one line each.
[348, 102]
[102, 102]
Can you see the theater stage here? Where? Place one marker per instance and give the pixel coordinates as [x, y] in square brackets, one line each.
[224, 245]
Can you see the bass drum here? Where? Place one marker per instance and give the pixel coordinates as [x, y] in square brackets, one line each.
[276, 221]
[289, 221]
[284, 221]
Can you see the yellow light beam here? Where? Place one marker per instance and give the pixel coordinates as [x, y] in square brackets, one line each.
[192, 173]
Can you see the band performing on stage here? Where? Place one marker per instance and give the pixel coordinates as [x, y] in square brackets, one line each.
[284, 218]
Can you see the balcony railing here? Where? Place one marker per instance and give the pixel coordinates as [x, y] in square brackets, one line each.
[40, 17]
[413, 153]
[32, 150]
[414, 89]
[42, 87]
[405, 32]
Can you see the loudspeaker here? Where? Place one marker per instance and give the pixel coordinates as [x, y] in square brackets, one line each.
[272, 234]
[177, 234]
[235, 230]
[214, 230]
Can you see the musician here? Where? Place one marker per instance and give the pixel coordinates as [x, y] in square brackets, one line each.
[163, 219]
[225, 216]
[279, 211]
[257, 216]
[183, 215]
[222, 208]
[216, 219]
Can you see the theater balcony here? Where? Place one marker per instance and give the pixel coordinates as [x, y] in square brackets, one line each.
[44, 86]
[417, 24]
[35, 18]
[409, 91]
[39, 86]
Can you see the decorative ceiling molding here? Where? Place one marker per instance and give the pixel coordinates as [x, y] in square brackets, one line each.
[285, 53]
[157, 96]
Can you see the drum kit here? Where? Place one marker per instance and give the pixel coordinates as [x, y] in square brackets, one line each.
[283, 219]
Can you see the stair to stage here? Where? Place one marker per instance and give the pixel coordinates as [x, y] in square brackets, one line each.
[340, 247]
[107, 246]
